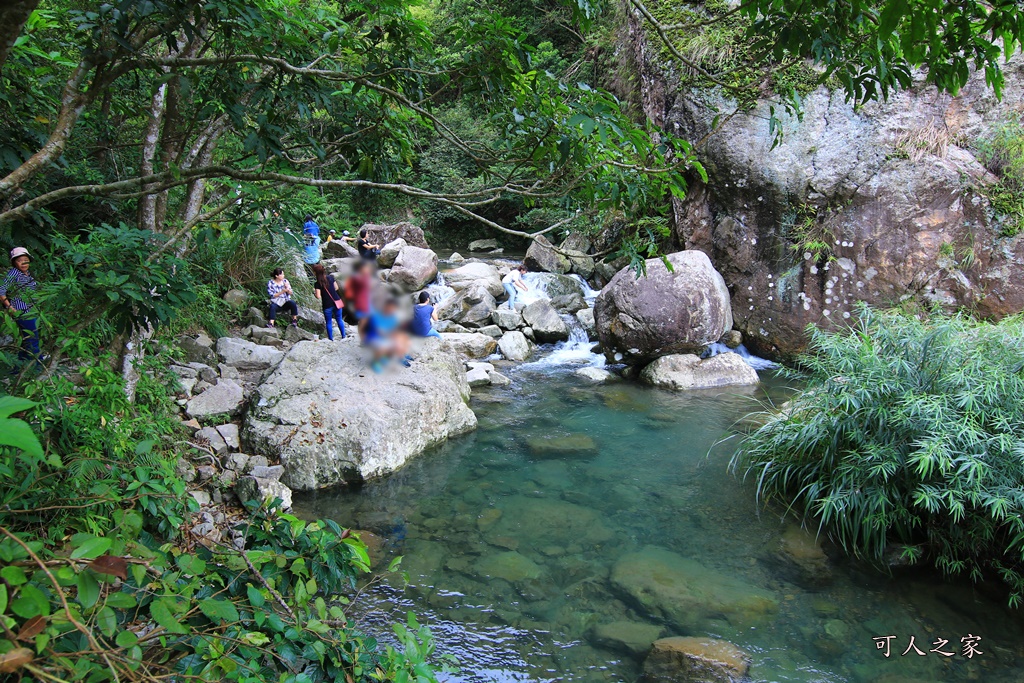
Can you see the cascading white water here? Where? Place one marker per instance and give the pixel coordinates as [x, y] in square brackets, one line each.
[753, 361]
[575, 353]
[438, 290]
[589, 293]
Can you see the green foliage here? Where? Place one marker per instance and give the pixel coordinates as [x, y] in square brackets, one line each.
[909, 437]
[102, 581]
[806, 232]
[1002, 152]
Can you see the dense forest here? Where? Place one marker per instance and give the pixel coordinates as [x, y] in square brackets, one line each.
[155, 154]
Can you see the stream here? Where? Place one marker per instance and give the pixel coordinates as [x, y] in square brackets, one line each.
[579, 522]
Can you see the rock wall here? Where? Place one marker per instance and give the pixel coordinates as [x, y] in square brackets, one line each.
[893, 188]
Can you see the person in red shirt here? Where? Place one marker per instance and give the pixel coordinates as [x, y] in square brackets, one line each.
[357, 290]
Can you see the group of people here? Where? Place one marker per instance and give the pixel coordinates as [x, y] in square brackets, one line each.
[381, 327]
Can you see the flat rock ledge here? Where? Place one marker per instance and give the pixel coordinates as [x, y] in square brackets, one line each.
[331, 420]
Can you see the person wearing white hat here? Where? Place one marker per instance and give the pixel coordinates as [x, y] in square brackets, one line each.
[17, 294]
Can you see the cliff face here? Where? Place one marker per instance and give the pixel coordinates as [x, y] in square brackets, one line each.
[884, 204]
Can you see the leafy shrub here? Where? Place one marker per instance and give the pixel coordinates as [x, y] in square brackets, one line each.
[1003, 154]
[909, 434]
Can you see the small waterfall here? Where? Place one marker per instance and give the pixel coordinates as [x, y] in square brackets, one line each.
[438, 290]
[753, 361]
[589, 294]
[577, 335]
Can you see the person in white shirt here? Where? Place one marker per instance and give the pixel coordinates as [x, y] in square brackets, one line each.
[513, 284]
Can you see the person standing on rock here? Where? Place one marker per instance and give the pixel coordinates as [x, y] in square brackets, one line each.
[357, 291]
[310, 228]
[326, 289]
[280, 292]
[423, 318]
[513, 284]
[17, 294]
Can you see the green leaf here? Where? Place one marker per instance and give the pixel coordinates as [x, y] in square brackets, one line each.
[15, 576]
[126, 639]
[11, 404]
[892, 13]
[88, 589]
[256, 598]
[3, 598]
[106, 621]
[17, 434]
[91, 548]
[219, 610]
[162, 611]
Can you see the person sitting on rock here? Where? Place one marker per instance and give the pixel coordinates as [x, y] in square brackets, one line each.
[326, 289]
[513, 283]
[423, 318]
[357, 291]
[383, 334]
[367, 251]
[280, 292]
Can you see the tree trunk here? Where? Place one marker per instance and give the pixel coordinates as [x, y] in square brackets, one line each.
[13, 15]
[147, 203]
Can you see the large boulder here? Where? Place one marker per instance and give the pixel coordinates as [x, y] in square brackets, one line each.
[681, 372]
[483, 245]
[506, 318]
[514, 346]
[471, 345]
[339, 248]
[245, 355]
[472, 307]
[686, 593]
[542, 256]
[662, 312]
[236, 298]
[586, 318]
[695, 660]
[389, 252]
[331, 420]
[382, 234]
[552, 285]
[475, 273]
[547, 325]
[198, 349]
[414, 268]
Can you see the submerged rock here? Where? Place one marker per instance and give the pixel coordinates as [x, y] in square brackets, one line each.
[695, 660]
[631, 637]
[331, 420]
[595, 375]
[681, 372]
[511, 566]
[663, 312]
[800, 555]
[686, 593]
[570, 445]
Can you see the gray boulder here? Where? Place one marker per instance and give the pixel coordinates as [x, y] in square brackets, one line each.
[389, 252]
[414, 268]
[245, 355]
[339, 248]
[382, 234]
[213, 437]
[681, 372]
[483, 245]
[663, 312]
[471, 345]
[547, 325]
[236, 298]
[580, 263]
[472, 307]
[586, 318]
[491, 331]
[514, 346]
[595, 375]
[198, 349]
[475, 273]
[507, 319]
[569, 303]
[331, 420]
[229, 432]
[554, 285]
[263, 490]
[223, 400]
[456, 257]
[478, 377]
[542, 256]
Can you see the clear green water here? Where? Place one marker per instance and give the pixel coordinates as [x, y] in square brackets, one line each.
[558, 525]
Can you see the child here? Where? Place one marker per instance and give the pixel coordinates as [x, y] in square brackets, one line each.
[423, 318]
[385, 338]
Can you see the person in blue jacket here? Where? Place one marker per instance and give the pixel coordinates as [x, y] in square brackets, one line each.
[310, 228]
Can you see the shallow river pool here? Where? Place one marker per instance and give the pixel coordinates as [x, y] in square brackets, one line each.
[580, 522]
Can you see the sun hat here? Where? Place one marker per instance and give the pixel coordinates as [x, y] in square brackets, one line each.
[345, 233]
[18, 251]
[332, 232]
